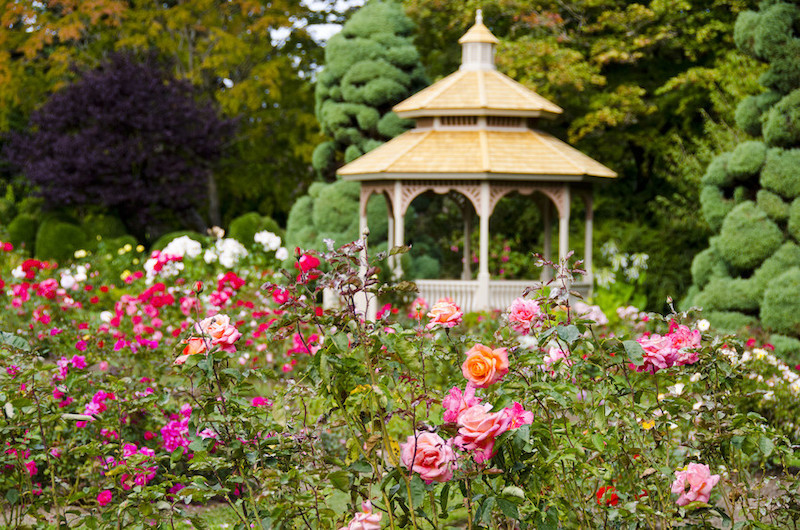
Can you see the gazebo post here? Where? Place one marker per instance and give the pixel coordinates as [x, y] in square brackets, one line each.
[466, 273]
[588, 200]
[365, 304]
[563, 223]
[399, 213]
[547, 273]
[390, 235]
[482, 298]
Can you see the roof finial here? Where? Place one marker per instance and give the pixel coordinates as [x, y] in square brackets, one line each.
[479, 16]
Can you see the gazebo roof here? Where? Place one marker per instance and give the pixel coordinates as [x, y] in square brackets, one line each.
[476, 93]
[475, 154]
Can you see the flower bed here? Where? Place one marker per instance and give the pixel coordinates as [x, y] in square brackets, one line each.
[133, 385]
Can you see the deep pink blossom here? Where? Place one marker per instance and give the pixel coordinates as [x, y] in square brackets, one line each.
[457, 402]
[693, 483]
[524, 315]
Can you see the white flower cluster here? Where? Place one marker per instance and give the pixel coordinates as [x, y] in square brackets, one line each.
[183, 246]
[168, 268]
[631, 265]
[227, 251]
[70, 279]
[787, 376]
[271, 243]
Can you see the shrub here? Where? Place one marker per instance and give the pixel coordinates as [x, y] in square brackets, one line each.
[165, 239]
[714, 206]
[58, 240]
[786, 257]
[245, 227]
[723, 294]
[772, 205]
[103, 225]
[717, 173]
[748, 237]
[781, 173]
[730, 321]
[781, 303]
[22, 232]
[750, 111]
[706, 265]
[794, 219]
[782, 122]
[787, 348]
[746, 160]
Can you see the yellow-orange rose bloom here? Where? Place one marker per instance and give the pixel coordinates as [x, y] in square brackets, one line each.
[485, 366]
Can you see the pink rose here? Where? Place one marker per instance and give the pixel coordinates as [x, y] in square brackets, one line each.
[429, 455]
[478, 429]
[693, 483]
[658, 353]
[104, 497]
[219, 329]
[457, 402]
[418, 308]
[485, 366]
[445, 313]
[683, 340]
[365, 520]
[523, 315]
[554, 357]
[518, 416]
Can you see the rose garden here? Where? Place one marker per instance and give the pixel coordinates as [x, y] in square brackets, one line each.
[291, 374]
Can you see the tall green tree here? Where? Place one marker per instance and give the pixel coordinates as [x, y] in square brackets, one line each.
[370, 66]
[751, 195]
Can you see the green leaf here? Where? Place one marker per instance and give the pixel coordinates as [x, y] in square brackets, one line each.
[12, 340]
[508, 508]
[766, 445]
[417, 491]
[444, 498]
[12, 496]
[634, 351]
[340, 480]
[568, 334]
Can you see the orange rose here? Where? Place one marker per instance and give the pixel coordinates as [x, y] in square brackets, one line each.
[194, 346]
[485, 366]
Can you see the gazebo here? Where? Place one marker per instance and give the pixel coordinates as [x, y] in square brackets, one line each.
[475, 135]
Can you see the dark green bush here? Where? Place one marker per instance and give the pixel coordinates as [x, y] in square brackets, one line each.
[244, 228]
[730, 321]
[794, 219]
[324, 157]
[103, 225]
[781, 173]
[781, 304]
[748, 237]
[744, 31]
[786, 257]
[706, 265]
[420, 267]
[787, 348]
[59, 240]
[165, 240]
[773, 205]
[714, 206]
[746, 160]
[22, 232]
[782, 122]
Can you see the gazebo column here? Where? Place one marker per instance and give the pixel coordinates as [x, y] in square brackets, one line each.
[482, 298]
[547, 272]
[365, 304]
[399, 213]
[390, 237]
[587, 249]
[466, 273]
[563, 224]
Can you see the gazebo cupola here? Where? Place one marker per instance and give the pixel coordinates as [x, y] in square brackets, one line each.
[475, 135]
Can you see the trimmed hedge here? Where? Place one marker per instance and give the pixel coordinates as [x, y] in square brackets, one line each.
[773, 205]
[59, 240]
[781, 304]
[781, 173]
[730, 321]
[22, 232]
[746, 160]
[748, 237]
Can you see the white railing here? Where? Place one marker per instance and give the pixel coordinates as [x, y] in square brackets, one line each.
[464, 293]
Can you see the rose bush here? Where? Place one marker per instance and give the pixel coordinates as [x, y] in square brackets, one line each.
[296, 415]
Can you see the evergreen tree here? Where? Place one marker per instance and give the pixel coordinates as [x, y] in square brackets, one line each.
[751, 196]
[370, 66]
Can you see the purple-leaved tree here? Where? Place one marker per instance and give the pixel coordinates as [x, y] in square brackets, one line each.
[127, 136]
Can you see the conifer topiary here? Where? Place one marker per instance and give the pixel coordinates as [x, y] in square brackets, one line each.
[751, 196]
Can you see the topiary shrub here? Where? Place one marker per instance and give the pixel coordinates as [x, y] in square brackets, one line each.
[730, 321]
[787, 348]
[746, 160]
[103, 225]
[729, 294]
[786, 257]
[58, 240]
[781, 173]
[119, 242]
[244, 228]
[748, 237]
[714, 206]
[794, 219]
[782, 122]
[167, 238]
[750, 111]
[717, 172]
[22, 232]
[706, 265]
[772, 205]
[781, 304]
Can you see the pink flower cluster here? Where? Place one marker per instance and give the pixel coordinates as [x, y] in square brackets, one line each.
[97, 405]
[524, 315]
[429, 455]
[77, 361]
[175, 433]
[693, 484]
[678, 347]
